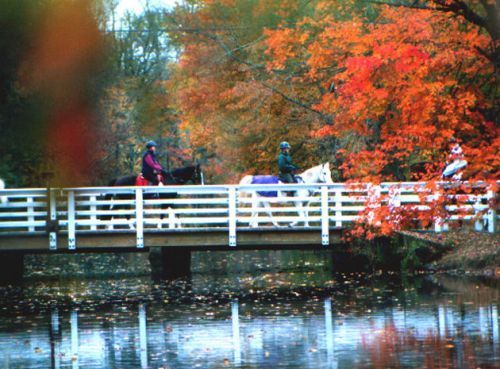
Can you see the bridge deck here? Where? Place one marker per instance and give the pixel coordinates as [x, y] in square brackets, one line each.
[198, 239]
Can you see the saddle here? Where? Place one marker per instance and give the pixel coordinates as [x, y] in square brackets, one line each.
[141, 181]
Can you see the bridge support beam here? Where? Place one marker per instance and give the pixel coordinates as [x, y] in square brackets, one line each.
[170, 262]
[11, 266]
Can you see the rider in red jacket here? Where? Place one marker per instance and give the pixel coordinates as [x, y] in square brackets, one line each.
[151, 169]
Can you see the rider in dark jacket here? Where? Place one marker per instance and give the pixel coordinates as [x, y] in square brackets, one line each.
[151, 169]
[285, 164]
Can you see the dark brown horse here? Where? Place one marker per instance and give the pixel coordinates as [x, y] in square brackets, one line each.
[180, 176]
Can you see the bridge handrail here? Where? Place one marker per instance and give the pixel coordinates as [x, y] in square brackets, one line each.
[81, 209]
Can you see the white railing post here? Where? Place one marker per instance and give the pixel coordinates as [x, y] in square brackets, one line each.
[93, 209]
[139, 218]
[440, 224]
[479, 222]
[395, 198]
[325, 219]
[71, 221]
[232, 215]
[31, 215]
[338, 206]
[492, 211]
[372, 205]
[52, 219]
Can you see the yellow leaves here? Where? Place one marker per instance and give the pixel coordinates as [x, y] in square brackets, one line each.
[282, 45]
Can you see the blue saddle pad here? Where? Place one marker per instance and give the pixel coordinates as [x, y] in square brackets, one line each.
[266, 180]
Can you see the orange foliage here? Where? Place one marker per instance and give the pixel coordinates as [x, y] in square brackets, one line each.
[378, 97]
[399, 83]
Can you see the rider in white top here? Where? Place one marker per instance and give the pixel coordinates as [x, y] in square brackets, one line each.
[455, 162]
[456, 153]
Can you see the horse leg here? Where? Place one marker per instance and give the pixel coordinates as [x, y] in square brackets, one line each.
[305, 213]
[110, 227]
[301, 214]
[130, 221]
[255, 211]
[160, 222]
[267, 207]
[172, 221]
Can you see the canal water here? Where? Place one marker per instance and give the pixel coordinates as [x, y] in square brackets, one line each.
[244, 310]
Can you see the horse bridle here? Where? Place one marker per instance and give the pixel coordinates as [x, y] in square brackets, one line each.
[322, 177]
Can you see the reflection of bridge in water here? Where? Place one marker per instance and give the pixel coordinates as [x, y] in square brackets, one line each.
[211, 217]
[176, 339]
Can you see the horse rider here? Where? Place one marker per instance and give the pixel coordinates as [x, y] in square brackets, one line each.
[456, 152]
[455, 162]
[151, 169]
[286, 167]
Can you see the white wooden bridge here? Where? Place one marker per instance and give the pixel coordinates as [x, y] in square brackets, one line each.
[214, 215]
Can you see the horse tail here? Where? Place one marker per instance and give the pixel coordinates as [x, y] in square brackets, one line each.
[108, 197]
[246, 180]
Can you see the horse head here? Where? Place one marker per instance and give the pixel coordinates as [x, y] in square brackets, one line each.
[325, 174]
[191, 174]
[318, 174]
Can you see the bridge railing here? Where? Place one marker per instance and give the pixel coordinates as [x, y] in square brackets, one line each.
[24, 210]
[140, 210]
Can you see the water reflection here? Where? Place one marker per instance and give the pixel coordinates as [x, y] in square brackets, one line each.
[235, 318]
[74, 338]
[312, 332]
[143, 338]
[329, 334]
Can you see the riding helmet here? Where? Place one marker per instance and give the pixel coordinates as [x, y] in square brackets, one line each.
[285, 145]
[150, 144]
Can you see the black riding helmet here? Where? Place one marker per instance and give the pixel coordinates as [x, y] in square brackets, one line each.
[150, 144]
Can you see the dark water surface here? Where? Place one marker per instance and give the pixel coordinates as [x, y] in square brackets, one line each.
[230, 316]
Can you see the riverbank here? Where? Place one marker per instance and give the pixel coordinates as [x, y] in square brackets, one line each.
[459, 251]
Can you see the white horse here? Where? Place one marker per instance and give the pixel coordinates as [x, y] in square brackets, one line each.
[3, 199]
[318, 174]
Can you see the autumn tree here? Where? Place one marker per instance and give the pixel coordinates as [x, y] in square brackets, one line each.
[137, 107]
[403, 85]
[229, 102]
[385, 87]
